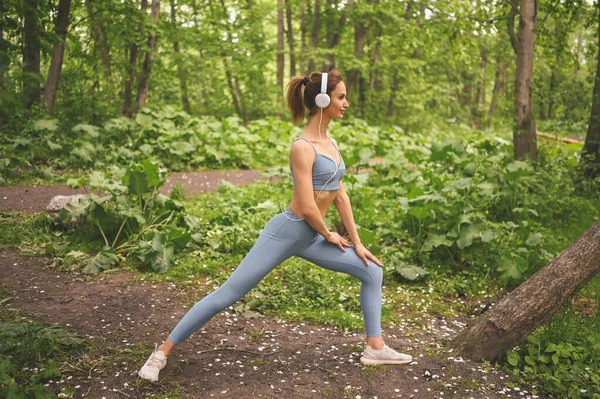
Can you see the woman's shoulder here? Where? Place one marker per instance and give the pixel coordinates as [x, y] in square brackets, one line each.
[303, 149]
[302, 145]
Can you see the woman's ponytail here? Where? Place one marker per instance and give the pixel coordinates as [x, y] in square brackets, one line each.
[295, 100]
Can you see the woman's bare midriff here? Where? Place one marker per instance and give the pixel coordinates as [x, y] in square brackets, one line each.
[323, 202]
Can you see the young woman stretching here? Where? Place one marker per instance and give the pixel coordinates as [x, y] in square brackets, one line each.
[317, 169]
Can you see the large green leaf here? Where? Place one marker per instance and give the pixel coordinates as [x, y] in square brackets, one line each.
[462, 184]
[178, 238]
[436, 240]
[467, 234]
[85, 151]
[129, 208]
[93, 131]
[534, 240]
[420, 212]
[511, 268]
[518, 169]
[181, 148]
[104, 260]
[411, 272]
[137, 181]
[97, 179]
[145, 120]
[488, 236]
[53, 146]
[153, 172]
[46, 124]
[74, 213]
[513, 358]
[442, 150]
[366, 236]
[164, 252]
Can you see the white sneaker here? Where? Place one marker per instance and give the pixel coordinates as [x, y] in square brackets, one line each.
[386, 355]
[155, 363]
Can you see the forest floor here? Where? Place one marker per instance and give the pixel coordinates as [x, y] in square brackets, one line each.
[123, 314]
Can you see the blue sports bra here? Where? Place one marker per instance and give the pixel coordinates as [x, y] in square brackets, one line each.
[326, 175]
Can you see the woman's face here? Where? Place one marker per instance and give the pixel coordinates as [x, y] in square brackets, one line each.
[339, 102]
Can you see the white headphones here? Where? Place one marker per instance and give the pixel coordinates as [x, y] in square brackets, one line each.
[322, 100]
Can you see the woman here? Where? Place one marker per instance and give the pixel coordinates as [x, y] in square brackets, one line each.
[317, 169]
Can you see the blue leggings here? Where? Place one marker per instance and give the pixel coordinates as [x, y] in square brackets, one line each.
[283, 237]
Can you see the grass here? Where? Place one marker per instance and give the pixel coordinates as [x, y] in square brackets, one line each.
[457, 284]
[42, 360]
[40, 176]
[40, 234]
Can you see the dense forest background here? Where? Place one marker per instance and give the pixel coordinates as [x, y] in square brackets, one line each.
[405, 62]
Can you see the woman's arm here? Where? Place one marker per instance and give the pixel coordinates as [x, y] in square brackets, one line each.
[342, 204]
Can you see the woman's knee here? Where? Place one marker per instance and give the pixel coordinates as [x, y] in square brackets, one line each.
[224, 297]
[376, 273]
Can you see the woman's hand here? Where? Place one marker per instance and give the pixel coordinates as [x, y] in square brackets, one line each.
[338, 240]
[364, 254]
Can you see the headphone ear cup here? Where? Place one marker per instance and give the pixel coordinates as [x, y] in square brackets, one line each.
[322, 100]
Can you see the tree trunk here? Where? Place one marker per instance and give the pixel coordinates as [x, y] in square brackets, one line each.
[314, 37]
[62, 21]
[499, 82]
[524, 136]
[131, 73]
[374, 63]
[280, 46]
[531, 304]
[31, 54]
[180, 70]
[144, 78]
[553, 83]
[373, 75]
[478, 107]
[591, 151]
[481, 94]
[290, 37]
[569, 104]
[466, 94]
[336, 36]
[360, 34]
[391, 104]
[234, 89]
[302, 37]
[554, 76]
[100, 40]
[4, 64]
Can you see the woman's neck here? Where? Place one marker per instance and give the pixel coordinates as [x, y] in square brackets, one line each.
[312, 127]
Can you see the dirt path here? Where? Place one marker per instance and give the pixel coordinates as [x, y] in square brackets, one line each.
[33, 199]
[232, 356]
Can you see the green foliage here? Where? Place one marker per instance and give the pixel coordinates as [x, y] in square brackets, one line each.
[562, 357]
[27, 351]
[134, 219]
[175, 139]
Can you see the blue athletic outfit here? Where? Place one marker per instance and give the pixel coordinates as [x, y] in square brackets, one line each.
[284, 236]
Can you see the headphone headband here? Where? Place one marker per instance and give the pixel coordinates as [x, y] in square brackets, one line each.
[322, 100]
[324, 82]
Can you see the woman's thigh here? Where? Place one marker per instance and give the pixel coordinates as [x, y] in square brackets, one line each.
[331, 257]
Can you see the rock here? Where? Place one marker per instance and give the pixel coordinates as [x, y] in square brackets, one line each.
[60, 201]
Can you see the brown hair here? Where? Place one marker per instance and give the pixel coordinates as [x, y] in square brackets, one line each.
[298, 99]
